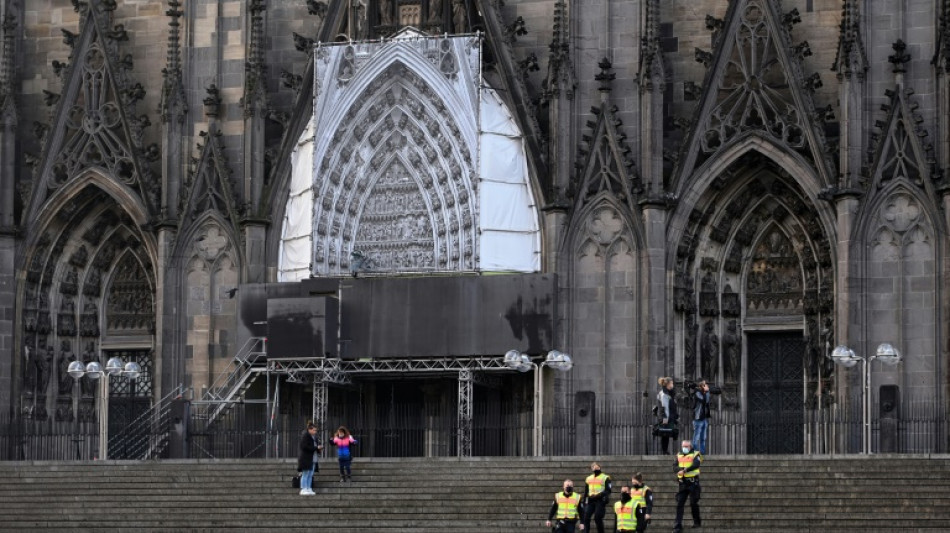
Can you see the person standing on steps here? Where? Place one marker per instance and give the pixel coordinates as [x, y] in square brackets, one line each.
[596, 497]
[626, 512]
[566, 511]
[701, 415]
[307, 459]
[687, 473]
[643, 494]
[343, 440]
[669, 416]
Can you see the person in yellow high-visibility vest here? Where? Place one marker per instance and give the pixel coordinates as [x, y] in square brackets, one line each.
[687, 473]
[597, 496]
[566, 511]
[642, 493]
[626, 511]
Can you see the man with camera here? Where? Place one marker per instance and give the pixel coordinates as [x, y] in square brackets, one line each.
[701, 392]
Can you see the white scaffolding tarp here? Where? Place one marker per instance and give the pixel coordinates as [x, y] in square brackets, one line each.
[510, 240]
[296, 241]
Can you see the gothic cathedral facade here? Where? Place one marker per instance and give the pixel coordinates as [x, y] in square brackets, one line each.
[724, 189]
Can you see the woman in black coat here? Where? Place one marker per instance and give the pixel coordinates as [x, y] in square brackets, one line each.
[307, 459]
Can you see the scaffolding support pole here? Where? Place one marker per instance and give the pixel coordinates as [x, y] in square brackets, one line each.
[465, 413]
[319, 406]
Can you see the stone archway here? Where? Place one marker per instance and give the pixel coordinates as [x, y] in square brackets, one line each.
[755, 259]
[80, 296]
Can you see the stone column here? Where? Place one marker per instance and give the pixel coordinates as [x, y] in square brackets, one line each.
[657, 346]
[8, 176]
[847, 286]
[169, 368]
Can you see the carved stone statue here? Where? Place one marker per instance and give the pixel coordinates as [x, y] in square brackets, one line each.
[731, 353]
[459, 16]
[386, 12]
[709, 350]
[435, 11]
[65, 357]
[689, 352]
[42, 361]
[730, 301]
[89, 322]
[708, 296]
[29, 374]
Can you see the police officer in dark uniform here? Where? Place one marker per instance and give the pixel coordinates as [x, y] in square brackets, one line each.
[626, 512]
[687, 473]
[566, 511]
[643, 494]
[596, 497]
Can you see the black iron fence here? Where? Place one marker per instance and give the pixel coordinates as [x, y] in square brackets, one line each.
[613, 427]
[27, 439]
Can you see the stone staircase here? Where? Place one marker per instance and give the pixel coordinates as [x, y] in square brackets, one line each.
[747, 494]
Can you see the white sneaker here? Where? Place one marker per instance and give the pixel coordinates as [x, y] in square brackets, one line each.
[310, 492]
[303, 492]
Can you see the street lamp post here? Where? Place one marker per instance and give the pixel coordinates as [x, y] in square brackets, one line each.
[522, 363]
[846, 357]
[114, 367]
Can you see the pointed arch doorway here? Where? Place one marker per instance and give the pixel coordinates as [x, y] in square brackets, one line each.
[776, 412]
[754, 284]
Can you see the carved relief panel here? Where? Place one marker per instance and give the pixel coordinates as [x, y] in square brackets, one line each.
[395, 187]
[129, 309]
[774, 282]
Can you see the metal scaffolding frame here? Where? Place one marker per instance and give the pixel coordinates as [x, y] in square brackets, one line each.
[329, 371]
[465, 413]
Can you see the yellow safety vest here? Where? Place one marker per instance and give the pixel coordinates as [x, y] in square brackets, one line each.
[567, 505]
[686, 461]
[596, 484]
[639, 496]
[626, 516]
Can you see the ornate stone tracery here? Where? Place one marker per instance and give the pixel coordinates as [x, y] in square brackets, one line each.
[753, 92]
[402, 195]
[96, 126]
[129, 307]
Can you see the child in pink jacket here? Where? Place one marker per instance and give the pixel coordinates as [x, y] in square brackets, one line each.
[342, 440]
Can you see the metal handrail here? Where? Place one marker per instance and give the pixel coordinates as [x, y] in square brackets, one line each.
[156, 420]
[230, 380]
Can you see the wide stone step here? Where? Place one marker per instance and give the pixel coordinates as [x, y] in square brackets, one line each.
[747, 494]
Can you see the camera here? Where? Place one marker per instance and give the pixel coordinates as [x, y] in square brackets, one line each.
[693, 385]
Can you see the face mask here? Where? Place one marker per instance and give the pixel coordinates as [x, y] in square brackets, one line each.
[596, 472]
[685, 450]
[637, 485]
[568, 490]
[625, 497]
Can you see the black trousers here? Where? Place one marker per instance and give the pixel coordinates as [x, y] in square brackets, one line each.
[596, 509]
[641, 513]
[564, 526]
[691, 490]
